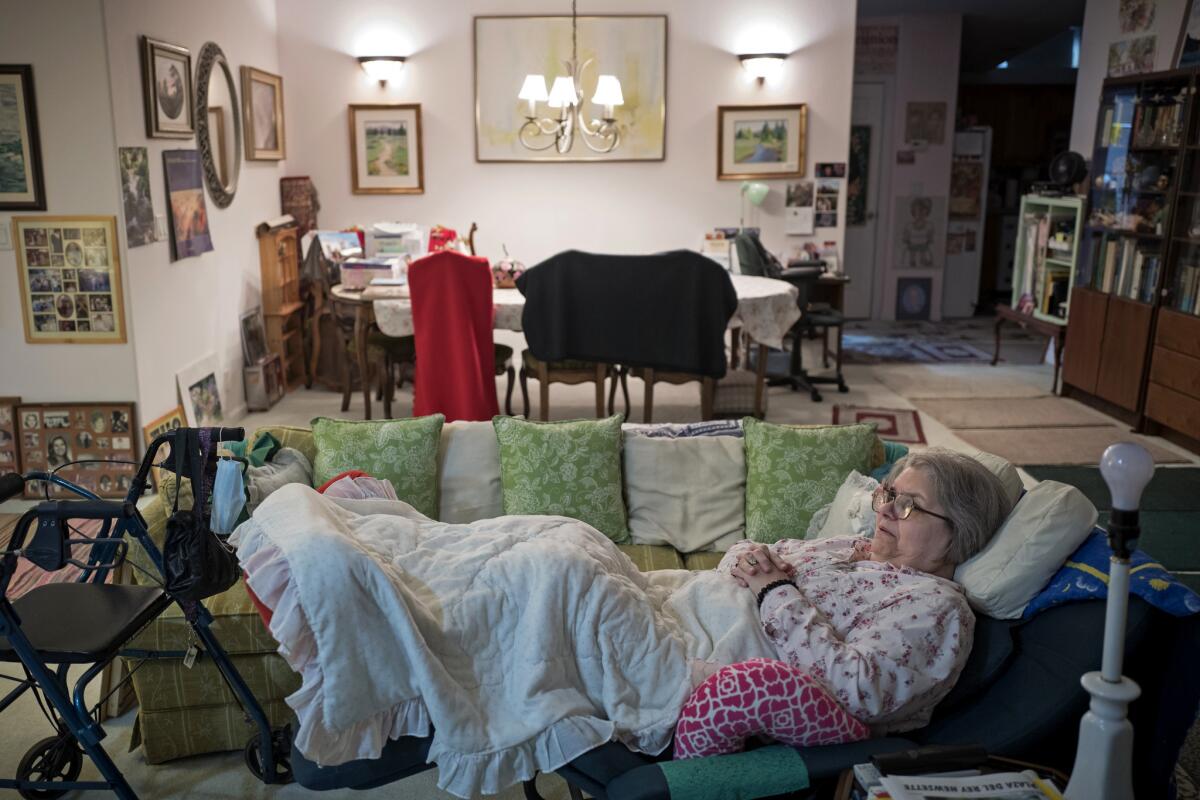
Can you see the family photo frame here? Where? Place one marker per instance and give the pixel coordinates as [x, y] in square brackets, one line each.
[167, 90]
[22, 184]
[385, 149]
[100, 435]
[761, 141]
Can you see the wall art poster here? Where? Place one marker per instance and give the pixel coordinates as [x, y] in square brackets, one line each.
[9, 433]
[70, 278]
[385, 149]
[913, 298]
[1131, 56]
[875, 49]
[925, 122]
[189, 214]
[920, 232]
[761, 141]
[167, 422]
[859, 171]
[201, 393]
[53, 435]
[135, 196]
[1136, 15]
[828, 190]
[966, 189]
[22, 187]
[633, 48]
[798, 209]
[1187, 50]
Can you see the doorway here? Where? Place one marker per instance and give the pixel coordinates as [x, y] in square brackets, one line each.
[863, 248]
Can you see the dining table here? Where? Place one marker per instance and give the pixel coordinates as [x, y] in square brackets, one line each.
[766, 311]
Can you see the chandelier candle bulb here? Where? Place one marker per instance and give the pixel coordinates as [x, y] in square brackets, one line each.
[562, 93]
[608, 94]
[534, 90]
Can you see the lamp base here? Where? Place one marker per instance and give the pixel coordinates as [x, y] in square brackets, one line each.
[1104, 757]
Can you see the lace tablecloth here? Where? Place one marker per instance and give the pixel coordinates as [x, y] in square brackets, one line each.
[766, 310]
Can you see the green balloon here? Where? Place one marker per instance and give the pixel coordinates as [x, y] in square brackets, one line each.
[755, 191]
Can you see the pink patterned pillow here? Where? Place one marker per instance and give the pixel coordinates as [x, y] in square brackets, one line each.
[761, 697]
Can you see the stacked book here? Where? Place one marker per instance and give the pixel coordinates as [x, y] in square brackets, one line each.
[1128, 271]
[1187, 289]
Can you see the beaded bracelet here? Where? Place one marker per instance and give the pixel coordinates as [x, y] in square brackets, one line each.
[770, 587]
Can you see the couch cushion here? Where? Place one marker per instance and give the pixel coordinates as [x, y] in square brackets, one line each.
[1047, 525]
[792, 471]
[301, 439]
[687, 492]
[850, 513]
[402, 451]
[164, 684]
[167, 735]
[648, 558]
[572, 469]
[705, 559]
[469, 472]
[236, 624]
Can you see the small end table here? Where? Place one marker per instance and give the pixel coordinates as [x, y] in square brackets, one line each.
[1052, 330]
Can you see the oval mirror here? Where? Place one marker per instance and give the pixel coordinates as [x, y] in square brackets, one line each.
[218, 124]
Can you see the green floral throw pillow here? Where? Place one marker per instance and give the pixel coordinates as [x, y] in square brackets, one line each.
[403, 451]
[569, 469]
[793, 471]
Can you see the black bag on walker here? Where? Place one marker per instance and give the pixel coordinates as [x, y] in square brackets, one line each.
[196, 562]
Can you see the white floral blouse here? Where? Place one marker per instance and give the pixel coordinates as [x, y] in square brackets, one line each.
[889, 641]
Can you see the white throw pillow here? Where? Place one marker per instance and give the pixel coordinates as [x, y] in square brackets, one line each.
[1003, 470]
[1048, 524]
[469, 472]
[689, 493]
[850, 513]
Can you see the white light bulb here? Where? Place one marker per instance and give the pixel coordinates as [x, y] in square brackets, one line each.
[1127, 468]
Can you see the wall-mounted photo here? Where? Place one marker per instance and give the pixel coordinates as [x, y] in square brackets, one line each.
[385, 149]
[61, 304]
[201, 393]
[185, 200]
[631, 49]
[761, 141]
[920, 232]
[22, 187]
[913, 298]
[262, 96]
[135, 196]
[925, 122]
[59, 437]
[167, 90]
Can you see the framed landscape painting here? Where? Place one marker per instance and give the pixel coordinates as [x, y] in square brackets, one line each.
[22, 187]
[69, 271]
[167, 90]
[262, 96]
[631, 47]
[761, 141]
[385, 149]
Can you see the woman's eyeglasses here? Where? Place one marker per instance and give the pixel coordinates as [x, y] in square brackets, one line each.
[903, 504]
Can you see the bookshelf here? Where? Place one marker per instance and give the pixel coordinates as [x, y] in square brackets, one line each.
[1133, 344]
[1044, 265]
[283, 311]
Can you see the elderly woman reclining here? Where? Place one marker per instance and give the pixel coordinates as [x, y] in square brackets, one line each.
[523, 642]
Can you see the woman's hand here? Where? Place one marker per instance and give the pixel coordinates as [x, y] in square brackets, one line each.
[758, 566]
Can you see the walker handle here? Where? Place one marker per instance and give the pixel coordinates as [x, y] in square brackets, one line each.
[229, 434]
[11, 485]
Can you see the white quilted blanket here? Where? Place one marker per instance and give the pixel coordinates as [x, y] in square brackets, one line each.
[523, 641]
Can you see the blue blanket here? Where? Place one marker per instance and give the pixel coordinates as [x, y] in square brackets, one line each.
[1084, 576]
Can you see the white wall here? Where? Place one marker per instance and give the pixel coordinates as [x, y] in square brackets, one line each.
[1101, 27]
[927, 61]
[540, 209]
[64, 42]
[185, 310]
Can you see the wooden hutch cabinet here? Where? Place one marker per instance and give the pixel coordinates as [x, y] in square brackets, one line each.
[279, 261]
[1133, 343]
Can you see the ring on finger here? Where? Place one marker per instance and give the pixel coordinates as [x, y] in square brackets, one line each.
[752, 561]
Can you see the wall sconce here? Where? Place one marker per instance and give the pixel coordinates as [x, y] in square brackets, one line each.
[763, 65]
[382, 68]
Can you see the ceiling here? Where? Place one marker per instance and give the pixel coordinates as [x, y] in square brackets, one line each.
[993, 30]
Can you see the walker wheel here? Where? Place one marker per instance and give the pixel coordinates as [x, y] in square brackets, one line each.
[281, 749]
[56, 758]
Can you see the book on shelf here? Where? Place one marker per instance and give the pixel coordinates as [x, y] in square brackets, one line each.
[1025, 785]
[1149, 279]
[1187, 290]
[1110, 264]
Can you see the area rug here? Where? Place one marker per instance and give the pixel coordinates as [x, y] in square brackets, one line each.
[894, 424]
[1024, 446]
[964, 380]
[873, 348]
[1011, 412]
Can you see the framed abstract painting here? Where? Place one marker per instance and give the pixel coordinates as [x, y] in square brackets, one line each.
[22, 187]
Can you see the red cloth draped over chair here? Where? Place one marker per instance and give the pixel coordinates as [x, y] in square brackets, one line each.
[452, 319]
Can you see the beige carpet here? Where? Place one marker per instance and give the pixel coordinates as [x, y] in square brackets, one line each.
[918, 381]
[1024, 446]
[1010, 412]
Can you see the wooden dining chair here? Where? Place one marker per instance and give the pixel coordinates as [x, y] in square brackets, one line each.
[394, 358]
[568, 372]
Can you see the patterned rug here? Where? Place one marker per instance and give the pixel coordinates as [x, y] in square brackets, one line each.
[967, 340]
[869, 348]
[894, 424]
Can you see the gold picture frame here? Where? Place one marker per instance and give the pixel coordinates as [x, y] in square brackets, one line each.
[762, 142]
[262, 101]
[377, 164]
[69, 271]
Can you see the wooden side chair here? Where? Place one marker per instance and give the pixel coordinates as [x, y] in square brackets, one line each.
[385, 356]
[569, 372]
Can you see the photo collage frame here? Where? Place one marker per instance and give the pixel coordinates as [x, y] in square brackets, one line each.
[101, 435]
[9, 435]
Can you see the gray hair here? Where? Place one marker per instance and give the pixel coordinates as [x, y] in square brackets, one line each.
[972, 497]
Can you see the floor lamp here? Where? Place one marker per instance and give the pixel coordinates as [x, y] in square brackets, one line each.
[1104, 757]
